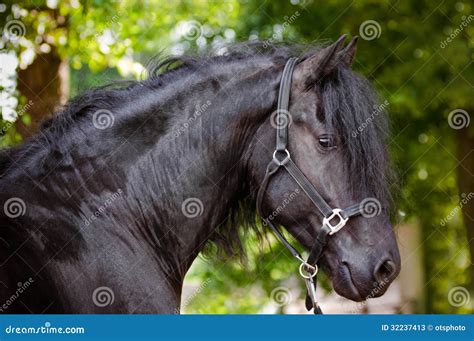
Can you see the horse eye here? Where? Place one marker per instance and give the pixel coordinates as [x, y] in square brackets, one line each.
[327, 142]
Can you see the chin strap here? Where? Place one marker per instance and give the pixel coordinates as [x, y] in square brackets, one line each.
[334, 219]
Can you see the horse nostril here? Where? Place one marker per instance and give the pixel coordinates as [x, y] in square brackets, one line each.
[385, 271]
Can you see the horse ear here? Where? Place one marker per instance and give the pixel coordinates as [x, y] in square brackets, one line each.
[319, 65]
[347, 55]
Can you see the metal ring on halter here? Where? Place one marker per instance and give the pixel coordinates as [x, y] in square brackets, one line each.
[284, 161]
[337, 212]
[303, 271]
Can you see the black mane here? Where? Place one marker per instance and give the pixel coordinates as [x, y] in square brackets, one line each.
[354, 112]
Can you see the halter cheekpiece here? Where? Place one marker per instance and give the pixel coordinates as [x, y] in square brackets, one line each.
[334, 219]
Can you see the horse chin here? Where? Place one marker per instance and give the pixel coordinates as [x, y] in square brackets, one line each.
[344, 284]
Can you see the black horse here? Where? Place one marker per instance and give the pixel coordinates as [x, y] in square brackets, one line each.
[107, 206]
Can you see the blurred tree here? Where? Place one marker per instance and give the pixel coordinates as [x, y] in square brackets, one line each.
[48, 35]
[43, 75]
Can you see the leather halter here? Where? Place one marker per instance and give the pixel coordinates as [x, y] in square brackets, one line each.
[282, 159]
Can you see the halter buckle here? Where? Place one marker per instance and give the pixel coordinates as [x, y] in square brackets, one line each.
[340, 224]
[284, 161]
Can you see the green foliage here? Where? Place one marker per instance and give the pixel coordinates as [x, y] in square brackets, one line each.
[237, 288]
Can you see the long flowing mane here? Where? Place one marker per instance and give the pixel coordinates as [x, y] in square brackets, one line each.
[349, 104]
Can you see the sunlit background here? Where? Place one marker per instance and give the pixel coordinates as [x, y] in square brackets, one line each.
[418, 54]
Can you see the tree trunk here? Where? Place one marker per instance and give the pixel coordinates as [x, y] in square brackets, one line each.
[465, 172]
[45, 84]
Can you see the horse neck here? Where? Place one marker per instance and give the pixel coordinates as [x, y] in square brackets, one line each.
[198, 165]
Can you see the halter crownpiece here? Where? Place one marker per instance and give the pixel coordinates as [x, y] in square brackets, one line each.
[334, 219]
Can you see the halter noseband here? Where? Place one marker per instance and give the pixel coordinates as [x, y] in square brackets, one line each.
[282, 159]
